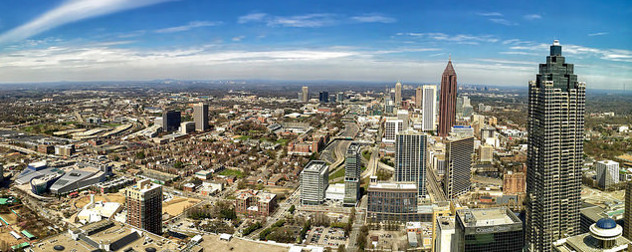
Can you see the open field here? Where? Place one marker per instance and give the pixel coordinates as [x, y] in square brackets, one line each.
[177, 205]
[109, 197]
[212, 243]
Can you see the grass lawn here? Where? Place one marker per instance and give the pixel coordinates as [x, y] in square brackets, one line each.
[283, 141]
[337, 174]
[366, 154]
[230, 172]
[244, 137]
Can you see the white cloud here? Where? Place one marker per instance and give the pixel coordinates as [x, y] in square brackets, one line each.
[189, 26]
[490, 14]
[253, 17]
[69, 12]
[532, 16]
[458, 38]
[309, 20]
[238, 38]
[502, 21]
[373, 18]
[597, 34]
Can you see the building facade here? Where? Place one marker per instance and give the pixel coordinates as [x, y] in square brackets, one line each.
[314, 181]
[398, 94]
[353, 170]
[170, 120]
[323, 96]
[488, 230]
[419, 97]
[555, 152]
[447, 101]
[304, 94]
[627, 215]
[144, 206]
[411, 159]
[200, 116]
[392, 201]
[392, 126]
[255, 203]
[459, 150]
[607, 173]
[429, 112]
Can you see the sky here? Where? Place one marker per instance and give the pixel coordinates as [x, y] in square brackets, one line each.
[489, 42]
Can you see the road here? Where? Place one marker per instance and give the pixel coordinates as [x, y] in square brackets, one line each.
[357, 225]
[434, 189]
[283, 207]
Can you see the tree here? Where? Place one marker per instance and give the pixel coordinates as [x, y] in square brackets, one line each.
[292, 208]
[341, 248]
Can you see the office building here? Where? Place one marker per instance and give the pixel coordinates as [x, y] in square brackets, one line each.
[187, 127]
[604, 235]
[411, 158]
[340, 97]
[200, 117]
[555, 152]
[429, 111]
[314, 181]
[447, 101]
[488, 230]
[170, 120]
[486, 153]
[394, 201]
[304, 94]
[144, 206]
[403, 115]
[627, 215]
[353, 170]
[459, 150]
[398, 94]
[392, 126]
[445, 234]
[419, 97]
[607, 173]
[1, 173]
[323, 96]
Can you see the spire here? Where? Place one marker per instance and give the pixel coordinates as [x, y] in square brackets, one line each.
[449, 69]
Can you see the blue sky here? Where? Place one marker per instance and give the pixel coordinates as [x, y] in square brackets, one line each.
[490, 42]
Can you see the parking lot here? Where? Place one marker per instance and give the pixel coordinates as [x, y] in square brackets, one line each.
[331, 237]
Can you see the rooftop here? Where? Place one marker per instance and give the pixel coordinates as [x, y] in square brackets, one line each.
[394, 185]
[315, 166]
[482, 217]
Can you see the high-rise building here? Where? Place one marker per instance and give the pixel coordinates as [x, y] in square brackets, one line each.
[144, 206]
[353, 170]
[447, 101]
[1, 173]
[418, 97]
[403, 115]
[459, 150]
[429, 112]
[410, 159]
[627, 215]
[555, 152]
[607, 173]
[323, 96]
[170, 120]
[200, 116]
[398, 94]
[314, 182]
[392, 126]
[340, 96]
[392, 201]
[305, 94]
[488, 230]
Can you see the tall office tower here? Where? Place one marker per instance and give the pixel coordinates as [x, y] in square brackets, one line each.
[555, 152]
[488, 230]
[447, 101]
[410, 159]
[144, 206]
[403, 115]
[323, 96]
[314, 182]
[459, 150]
[418, 97]
[429, 108]
[353, 169]
[607, 173]
[170, 120]
[200, 116]
[305, 94]
[398, 94]
[627, 215]
[392, 126]
[340, 96]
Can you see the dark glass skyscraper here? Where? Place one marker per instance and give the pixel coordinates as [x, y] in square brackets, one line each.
[447, 101]
[555, 152]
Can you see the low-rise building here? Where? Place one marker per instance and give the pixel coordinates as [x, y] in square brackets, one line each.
[255, 203]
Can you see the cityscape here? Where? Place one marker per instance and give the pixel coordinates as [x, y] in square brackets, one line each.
[435, 126]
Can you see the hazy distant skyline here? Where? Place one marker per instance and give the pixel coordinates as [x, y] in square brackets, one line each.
[491, 42]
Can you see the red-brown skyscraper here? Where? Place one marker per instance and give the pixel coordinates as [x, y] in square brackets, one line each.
[447, 100]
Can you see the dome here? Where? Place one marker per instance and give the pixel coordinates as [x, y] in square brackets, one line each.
[606, 223]
[59, 247]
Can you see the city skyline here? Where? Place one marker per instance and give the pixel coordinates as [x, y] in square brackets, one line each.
[87, 40]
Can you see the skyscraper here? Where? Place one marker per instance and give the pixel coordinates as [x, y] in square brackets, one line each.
[305, 94]
[392, 126]
[627, 215]
[314, 182]
[447, 101]
[353, 169]
[200, 116]
[323, 96]
[429, 108]
[607, 173]
[418, 97]
[410, 159]
[144, 206]
[170, 120]
[555, 152]
[398, 94]
[459, 150]
[1, 173]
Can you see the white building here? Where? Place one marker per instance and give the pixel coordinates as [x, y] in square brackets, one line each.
[429, 107]
[314, 181]
[392, 126]
[607, 173]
